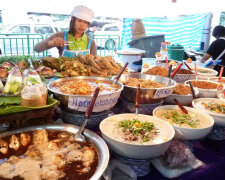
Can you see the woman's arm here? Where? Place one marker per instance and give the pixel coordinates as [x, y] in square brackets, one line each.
[205, 57]
[55, 40]
[93, 49]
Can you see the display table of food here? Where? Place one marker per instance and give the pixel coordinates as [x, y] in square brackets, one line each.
[145, 124]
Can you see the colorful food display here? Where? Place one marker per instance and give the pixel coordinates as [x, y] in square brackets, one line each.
[157, 70]
[45, 154]
[204, 84]
[182, 89]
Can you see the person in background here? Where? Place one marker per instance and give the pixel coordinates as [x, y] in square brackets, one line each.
[75, 39]
[217, 49]
[91, 30]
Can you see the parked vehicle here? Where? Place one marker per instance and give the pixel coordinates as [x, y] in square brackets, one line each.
[108, 36]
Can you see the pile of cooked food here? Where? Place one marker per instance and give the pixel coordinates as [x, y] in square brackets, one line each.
[182, 89]
[88, 65]
[134, 82]
[184, 71]
[46, 155]
[204, 84]
[157, 70]
[84, 87]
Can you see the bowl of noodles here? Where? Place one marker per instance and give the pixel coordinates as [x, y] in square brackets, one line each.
[205, 73]
[183, 95]
[75, 93]
[153, 88]
[206, 88]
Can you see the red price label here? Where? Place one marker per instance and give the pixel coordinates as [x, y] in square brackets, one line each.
[173, 63]
[146, 65]
[189, 60]
[220, 87]
[158, 54]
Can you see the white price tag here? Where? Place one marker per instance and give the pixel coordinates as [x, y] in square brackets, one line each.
[161, 93]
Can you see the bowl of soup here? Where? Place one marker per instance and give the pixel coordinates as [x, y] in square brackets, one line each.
[153, 88]
[136, 136]
[206, 88]
[75, 93]
[194, 125]
[216, 79]
[212, 106]
[205, 73]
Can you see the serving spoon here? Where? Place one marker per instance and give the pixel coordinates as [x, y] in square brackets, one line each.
[187, 66]
[170, 70]
[180, 106]
[79, 136]
[192, 90]
[137, 102]
[120, 73]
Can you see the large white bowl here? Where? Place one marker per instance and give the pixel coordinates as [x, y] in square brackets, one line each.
[189, 133]
[137, 151]
[184, 100]
[205, 76]
[218, 118]
[205, 93]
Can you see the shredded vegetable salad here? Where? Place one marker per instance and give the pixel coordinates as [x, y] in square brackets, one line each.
[136, 130]
[182, 119]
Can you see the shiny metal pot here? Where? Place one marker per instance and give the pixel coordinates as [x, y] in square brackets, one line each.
[101, 147]
[80, 103]
[147, 95]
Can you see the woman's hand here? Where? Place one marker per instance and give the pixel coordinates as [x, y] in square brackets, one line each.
[56, 42]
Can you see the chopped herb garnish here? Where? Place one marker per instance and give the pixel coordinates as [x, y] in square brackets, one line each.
[215, 107]
[138, 130]
[182, 119]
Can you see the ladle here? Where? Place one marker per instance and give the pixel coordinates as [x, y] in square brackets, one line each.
[120, 73]
[79, 136]
[180, 106]
[137, 104]
[187, 66]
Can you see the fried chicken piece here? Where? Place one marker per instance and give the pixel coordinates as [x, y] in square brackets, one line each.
[3, 73]
[88, 156]
[25, 139]
[33, 152]
[53, 145]
[4, 147]
[40, 136]
[59, 161]
[14, 142]
[14, 159]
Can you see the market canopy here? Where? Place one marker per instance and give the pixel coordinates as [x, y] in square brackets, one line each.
[120, 8]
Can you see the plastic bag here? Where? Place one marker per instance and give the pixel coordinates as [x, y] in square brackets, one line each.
[34, 95]
[14, 82]
[30, 77]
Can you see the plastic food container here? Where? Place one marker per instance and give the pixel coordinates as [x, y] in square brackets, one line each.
[176, 52]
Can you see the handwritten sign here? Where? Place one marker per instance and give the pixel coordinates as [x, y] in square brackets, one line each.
[102, 102]
[161, 93]
[220, 87]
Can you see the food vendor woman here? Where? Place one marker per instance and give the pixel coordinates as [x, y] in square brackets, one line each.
[217, 48]
[73, 40]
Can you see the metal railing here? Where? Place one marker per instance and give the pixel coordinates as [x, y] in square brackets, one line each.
[22, 44]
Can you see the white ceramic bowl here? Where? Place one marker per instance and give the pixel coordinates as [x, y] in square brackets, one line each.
[206, 93]
[205, 76]
[184, 100]
[216, 79]
[189, 133]
[137, 151]
[218, 118]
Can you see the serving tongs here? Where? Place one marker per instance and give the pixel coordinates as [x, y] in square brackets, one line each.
[120, 73]
[192, 90]
[180, 106]
[174, 73]
[137, 102]
[79, 136]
